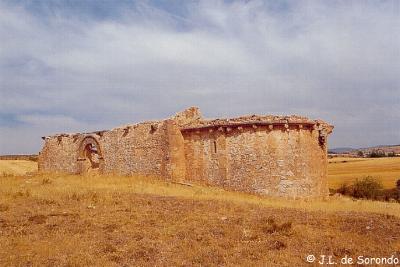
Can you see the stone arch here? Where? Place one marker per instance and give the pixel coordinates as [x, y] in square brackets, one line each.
[90, 156]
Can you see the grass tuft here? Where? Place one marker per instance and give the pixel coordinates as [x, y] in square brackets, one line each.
[4, 207]
[46, 181]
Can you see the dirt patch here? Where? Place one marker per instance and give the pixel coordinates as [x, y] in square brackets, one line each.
[38, 219]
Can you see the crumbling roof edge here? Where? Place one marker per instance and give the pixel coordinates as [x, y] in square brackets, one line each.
[102, 131]
[249, 123]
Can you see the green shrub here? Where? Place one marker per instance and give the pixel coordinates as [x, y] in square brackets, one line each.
[345, 189]
[368, 188]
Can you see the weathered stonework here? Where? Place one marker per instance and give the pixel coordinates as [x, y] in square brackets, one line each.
[267, 155]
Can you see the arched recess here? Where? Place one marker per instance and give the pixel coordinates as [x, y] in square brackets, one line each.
[90, 156]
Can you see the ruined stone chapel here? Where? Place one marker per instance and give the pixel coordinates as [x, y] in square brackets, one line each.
[267, 155]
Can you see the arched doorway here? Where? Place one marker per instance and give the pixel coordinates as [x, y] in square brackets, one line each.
[90, 156]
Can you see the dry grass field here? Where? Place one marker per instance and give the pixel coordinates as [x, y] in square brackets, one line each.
[66, 220]
[17, 167]
[347, 170]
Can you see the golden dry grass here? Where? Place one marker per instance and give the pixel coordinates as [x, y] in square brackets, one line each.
[108, 220]
[112, 221]
[149, 185]
[347, 170]
[67, 220]
[70, 184]
[17, 167]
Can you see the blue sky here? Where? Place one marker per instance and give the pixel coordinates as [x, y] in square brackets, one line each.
[71, 66]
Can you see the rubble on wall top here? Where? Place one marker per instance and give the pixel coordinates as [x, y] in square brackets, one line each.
[136, 124]
[122, 127]
[73, 134]
[256, 120]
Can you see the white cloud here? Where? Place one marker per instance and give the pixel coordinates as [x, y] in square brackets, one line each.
[337, 61]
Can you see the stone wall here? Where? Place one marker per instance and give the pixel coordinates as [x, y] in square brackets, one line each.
[60, 154]
[128, 150]
[277, 162]
[136, 149]
[268, 155]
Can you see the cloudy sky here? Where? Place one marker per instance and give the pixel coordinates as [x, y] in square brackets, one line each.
[68, 66]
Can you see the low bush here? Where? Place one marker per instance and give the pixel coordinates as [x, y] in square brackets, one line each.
[370, 188]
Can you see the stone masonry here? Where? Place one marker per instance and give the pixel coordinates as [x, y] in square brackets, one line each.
[268, 155]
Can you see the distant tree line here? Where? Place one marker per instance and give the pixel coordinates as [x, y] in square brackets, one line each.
[376, 153]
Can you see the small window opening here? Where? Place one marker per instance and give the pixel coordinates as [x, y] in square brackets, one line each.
[215, 146]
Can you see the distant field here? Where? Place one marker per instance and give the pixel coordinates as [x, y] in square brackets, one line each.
[341, 170]
[17, 167]
[32, 157]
